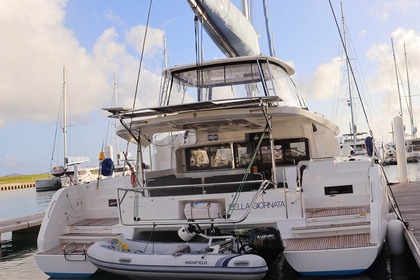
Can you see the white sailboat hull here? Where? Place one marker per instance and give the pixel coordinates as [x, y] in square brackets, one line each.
[333, 262]
[48, 184]
[56, 266]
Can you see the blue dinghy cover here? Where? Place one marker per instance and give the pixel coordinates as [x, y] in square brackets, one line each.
[107, 167]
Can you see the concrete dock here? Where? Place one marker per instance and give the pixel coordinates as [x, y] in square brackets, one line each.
[407, 198]
[30, 223]
[17, 186]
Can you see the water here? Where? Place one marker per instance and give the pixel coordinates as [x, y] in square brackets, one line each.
[17, 251]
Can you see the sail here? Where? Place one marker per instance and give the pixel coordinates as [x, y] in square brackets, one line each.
[227, 27]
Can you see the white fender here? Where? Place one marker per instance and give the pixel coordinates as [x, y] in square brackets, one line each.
[395, 237]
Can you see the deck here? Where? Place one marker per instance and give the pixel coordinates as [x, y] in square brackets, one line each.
[407, 197]
[25, 223]
[328, 242]
[82, 234]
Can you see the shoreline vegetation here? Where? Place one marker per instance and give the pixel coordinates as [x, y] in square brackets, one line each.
[14, 179]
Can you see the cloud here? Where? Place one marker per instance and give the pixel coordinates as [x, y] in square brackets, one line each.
[363, 33]
[109, 14]
[39, 45]
[322, 84]
[383, 9]
[154, 43]
[383, 82]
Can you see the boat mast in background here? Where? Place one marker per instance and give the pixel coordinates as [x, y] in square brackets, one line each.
[115, 120]
[396, 75]
[410, 105]
[353, 129]
[64, 119]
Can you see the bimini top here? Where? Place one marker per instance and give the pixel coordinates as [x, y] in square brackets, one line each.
[230, 78]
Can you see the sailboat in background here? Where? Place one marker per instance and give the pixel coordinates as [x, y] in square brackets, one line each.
[412, 145]
[353, 142]
[121, 162]
[62, 176]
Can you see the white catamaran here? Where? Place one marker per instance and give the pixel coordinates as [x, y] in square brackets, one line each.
[244, 172]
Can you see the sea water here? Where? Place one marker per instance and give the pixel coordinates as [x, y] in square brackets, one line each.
[17, 251]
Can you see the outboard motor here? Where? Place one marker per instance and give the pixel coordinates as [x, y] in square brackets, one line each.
[266, 242]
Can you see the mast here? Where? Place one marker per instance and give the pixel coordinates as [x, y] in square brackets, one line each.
[64, 118]
[396, 74]
[115, 120]
[410, 109]
[267, 27]
[353, 125]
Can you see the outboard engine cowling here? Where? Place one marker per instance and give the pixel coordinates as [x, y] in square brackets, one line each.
[266, 242]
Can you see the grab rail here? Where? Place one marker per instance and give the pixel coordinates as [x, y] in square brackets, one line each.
[219, 220]
[71, 249]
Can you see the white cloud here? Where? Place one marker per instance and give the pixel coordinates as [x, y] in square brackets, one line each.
[154, 43]
[383, 82]
[109, 14]
[322, 84]
[363, 33]
[38, 45]
[383, 8]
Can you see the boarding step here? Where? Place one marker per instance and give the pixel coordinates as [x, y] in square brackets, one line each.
[332, 227]
[89, 229]
[354, 213]
[95, 225]
[97, 222]
[87, 237]
[328, 242]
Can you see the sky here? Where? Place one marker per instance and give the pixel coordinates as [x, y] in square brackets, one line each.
[99, 41]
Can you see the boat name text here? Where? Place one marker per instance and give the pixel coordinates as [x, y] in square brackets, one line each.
[258, 205]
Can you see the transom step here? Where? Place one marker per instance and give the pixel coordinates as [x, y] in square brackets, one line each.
[328, 242]
[337, 211]
[332, 227]
[91, 229]
[97, 222]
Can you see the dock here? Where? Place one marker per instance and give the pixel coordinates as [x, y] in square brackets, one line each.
[407, 197]
[17, 186]
[30, 223]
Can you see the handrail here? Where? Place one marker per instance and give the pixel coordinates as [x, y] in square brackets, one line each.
[194, 186]
[71, 249]
[209, 221]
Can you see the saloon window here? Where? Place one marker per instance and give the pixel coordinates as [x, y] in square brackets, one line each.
[285, 151]
[209, 157]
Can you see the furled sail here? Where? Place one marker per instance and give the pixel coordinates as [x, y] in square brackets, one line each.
[227, 27]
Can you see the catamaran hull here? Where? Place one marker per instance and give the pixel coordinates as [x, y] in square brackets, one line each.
[332, 262]
[48, 184]
[56, 266]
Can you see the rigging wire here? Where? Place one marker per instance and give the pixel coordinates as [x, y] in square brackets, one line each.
[55, 135]
[350, 65]
[140, 66]
[142, 53]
